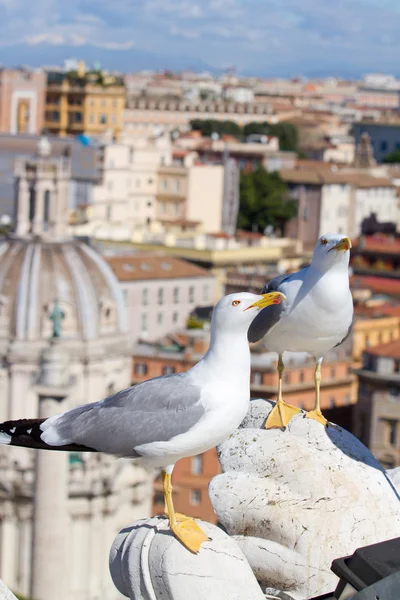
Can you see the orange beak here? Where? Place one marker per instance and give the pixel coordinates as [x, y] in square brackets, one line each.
[344, 244]
[267, 300]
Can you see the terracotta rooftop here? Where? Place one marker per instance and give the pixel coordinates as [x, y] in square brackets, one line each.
[138, 268]
[390, 350]
[321, 176]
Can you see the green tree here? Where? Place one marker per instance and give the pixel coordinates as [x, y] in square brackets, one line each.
[264, 201]
[393, 157]
[209, 126]
[256, 128]
[285, 132]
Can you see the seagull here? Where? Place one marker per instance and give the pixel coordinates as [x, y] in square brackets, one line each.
[316, 316]
[166, 418]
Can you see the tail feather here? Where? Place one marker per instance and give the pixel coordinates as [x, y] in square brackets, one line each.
[27, 434]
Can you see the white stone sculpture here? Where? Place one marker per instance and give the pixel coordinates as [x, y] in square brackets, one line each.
[5, 593]
[294, 500]
[148, 563]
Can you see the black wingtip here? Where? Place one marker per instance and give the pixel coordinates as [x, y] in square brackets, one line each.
[26, 433]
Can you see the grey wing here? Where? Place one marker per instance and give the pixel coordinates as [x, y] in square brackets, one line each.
[155, 410]
[273, 284]
[346, 336]
[268, 317]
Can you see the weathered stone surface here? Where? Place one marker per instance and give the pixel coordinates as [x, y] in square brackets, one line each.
[148, 563]
[296, 499]
[5, 593]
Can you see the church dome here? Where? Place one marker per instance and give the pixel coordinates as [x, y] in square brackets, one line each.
[36, 273]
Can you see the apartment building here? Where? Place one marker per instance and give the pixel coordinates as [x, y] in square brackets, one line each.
[146, 116]
[22, 100]
[384, 135]
[201, 194]
[84, 102]
[377, 416]
[160, 292]
[333, 199]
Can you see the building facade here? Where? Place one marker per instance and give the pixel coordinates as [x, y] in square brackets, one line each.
[377, 414]
[160, 292]
[384, 136]
[22, 100]
[330, 199]
[80, 102]
[147, 116]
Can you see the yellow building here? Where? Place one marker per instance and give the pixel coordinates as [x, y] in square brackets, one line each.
[84, 102]
[373, 330]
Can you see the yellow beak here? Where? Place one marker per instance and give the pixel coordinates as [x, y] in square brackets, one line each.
[268, 299]
[344, 244]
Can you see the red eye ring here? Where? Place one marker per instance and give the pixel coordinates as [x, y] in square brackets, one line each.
[236, 303]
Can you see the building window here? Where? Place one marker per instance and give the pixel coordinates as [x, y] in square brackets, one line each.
[191, 293]
[110, 185]
[108, 213]
[159, 498]
[176, 295]
[168, 370]
[163, 207]
[347, 400]
[144, 322]
[197, 465]
[333, 373]
[384, 146]
[178, 185]
[91, 118]
[332, 402]
[205, 293]
[391, 431]
[195, 497]
[140, 369]
[103, 119]
[125, 296]
[160, 318]
[286, 378]
[160, 296]
[46, 210]
[145, 297]
[257, 378]
[114, 119]
[175, 317]
[103, 102]
[164, 184]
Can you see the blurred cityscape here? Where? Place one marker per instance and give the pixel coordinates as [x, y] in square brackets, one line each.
[133, 203]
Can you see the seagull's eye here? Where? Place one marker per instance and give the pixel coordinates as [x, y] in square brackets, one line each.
[324, 242]
[236, 303]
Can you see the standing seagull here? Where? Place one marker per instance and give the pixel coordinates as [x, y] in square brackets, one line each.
[316, 316]
[167, 418]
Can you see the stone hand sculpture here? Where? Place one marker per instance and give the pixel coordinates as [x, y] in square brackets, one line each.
[148, 563]
[295, 499]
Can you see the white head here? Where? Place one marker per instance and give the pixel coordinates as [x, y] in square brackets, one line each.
[236, 311]
[332, 251]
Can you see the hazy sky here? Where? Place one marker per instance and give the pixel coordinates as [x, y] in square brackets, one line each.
[288, 37]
